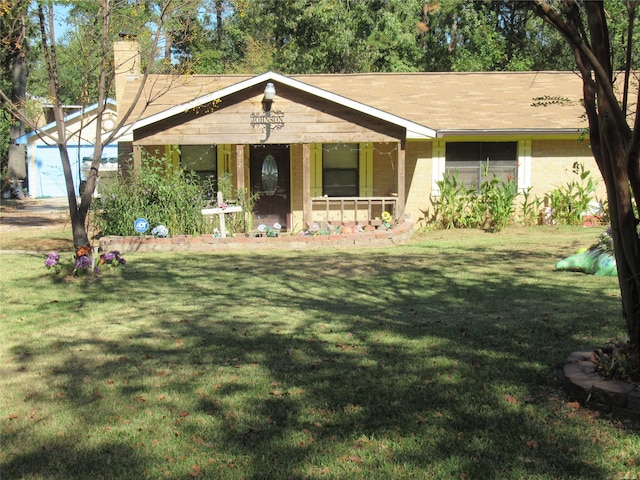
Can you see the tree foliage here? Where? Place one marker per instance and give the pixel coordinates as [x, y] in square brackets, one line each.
[15, 27]
[323, 36]
[89, 50]
[298, 36]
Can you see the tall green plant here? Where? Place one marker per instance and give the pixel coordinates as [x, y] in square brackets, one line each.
[491, 206]
[570, 201]
[164, 196]
[530, 208]
[498, 198]
[451, 208]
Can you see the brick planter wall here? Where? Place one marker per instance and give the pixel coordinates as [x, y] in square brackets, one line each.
[591, 389]
[207, 243]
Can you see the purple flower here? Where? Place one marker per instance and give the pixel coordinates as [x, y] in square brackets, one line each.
[52, 260]
[83, 262]
[96, 270]
[108, 257]
[122, 261]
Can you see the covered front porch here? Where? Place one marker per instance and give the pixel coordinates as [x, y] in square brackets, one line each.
[298, 185]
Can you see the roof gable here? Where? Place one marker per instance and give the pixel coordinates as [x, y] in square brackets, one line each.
[414, 130]
[74, 122]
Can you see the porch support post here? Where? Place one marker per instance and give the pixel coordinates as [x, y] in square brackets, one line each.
[306, 184]
[136, 162]
[401, 179]
[240, 167]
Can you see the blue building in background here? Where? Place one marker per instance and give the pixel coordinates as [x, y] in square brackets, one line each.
[45, 177]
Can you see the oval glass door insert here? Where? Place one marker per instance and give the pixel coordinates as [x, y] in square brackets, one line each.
[269, 175]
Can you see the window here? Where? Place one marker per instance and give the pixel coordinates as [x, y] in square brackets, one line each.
[477, 161]
[200, 159]
[340, 170]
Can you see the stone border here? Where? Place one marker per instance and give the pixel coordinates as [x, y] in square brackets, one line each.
[594, 391]
[400, 233]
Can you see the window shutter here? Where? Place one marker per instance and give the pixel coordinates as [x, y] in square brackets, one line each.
[224, 159]
[366, 169]
[172, 154]
[316, 169]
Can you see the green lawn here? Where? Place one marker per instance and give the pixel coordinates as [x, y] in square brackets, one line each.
[437, 359]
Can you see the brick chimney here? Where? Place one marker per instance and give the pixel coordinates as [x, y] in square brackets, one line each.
[126, 56]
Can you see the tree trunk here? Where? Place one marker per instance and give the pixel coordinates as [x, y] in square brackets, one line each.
[614, 144]
[219, 20]
[17, 167]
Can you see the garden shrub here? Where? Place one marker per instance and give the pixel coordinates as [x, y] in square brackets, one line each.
[530, 208]
[570, 201]
[164, 196]
[490, 207]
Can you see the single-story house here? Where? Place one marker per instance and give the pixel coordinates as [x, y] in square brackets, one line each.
[348, 147]
[44, 168]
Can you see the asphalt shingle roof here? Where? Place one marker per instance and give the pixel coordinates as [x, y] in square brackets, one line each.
[441, 101]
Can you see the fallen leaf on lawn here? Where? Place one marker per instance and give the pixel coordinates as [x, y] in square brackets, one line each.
[574, 405]
[13, 416]
[532, 443]
[353, 459]
[511, 399]
[195, 471]
[184, 414]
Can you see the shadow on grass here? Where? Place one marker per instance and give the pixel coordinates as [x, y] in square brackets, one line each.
[65, 460]
[405, 363]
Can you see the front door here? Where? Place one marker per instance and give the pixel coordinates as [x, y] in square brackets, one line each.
[270, 180]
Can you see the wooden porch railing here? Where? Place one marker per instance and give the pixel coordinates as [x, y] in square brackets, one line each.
[352, 209]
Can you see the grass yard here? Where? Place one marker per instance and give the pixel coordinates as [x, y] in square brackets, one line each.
[437, 359]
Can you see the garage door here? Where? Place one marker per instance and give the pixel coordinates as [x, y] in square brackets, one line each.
[46, 178]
